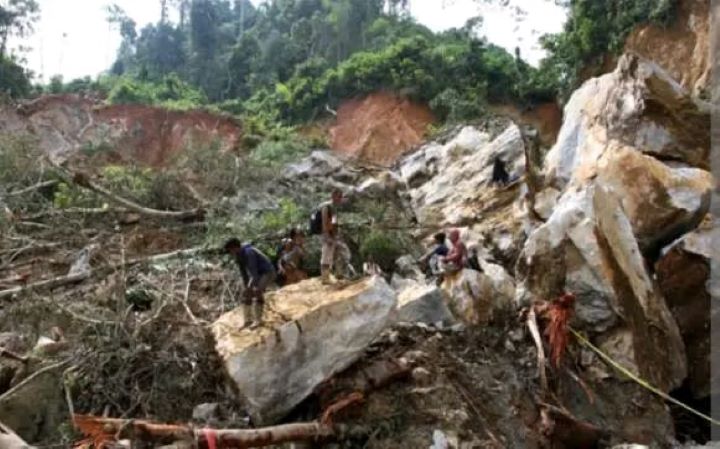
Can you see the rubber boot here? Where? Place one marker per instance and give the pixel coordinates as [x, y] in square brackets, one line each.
[325, 275]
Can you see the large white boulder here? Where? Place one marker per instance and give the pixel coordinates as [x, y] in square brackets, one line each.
[638, 134]
[422, 303]
[309, 333]
[638, 105]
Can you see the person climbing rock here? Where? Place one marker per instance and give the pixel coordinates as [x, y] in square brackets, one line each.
[457, 257]
[500, 176]
[430, 261]
[334, 250]
[256, 269]
[290, 260]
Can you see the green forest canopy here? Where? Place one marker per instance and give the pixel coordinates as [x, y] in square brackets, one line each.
[288, 60]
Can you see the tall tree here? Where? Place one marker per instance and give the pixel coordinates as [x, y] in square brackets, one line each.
[16, 19]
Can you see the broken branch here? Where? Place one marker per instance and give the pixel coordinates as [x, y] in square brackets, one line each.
[46, 284]
[109, 429]
[532, 324]
[84, 181]
[38, 186]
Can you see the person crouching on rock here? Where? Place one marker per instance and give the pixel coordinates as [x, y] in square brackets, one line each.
[256, 270]
[457, 257]
[430, 261]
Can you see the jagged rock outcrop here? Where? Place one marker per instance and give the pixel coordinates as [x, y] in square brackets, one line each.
[309, 332]
[449, 185]
[619, 131]
[683, 273]
[65, 124]
[626, 177]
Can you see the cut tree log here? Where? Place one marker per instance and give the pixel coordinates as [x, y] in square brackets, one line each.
[102, 430]
[45, 284]
[83, 180]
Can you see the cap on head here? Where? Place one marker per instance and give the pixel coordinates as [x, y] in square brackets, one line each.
[231, 244]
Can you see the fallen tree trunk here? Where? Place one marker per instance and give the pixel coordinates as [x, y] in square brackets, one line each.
[46, 284]
[102, 430]
[38, 186]
[84, 181]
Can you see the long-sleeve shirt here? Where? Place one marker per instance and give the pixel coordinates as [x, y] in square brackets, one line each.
[457, 254]
[253, 264]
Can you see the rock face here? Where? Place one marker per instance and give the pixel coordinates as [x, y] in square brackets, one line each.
[619, 131]
[309, 333]
[65, 124]
[683, 274]
[639, 106]
[626, 177]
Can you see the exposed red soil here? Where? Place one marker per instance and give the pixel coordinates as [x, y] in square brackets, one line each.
[379, 128]
[146, 134]
[154, 135]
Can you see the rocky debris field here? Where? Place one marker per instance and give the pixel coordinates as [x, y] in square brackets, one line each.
[122, 323]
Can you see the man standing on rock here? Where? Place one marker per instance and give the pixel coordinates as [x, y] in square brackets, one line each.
[255, 267]
[332, 246]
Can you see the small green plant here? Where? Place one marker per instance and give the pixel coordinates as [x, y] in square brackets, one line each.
[69, 195]
[383, 248]
[94, 148]
[280, 152]
[133, 182]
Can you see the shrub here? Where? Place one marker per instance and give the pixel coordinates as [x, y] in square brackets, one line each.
[383, 248]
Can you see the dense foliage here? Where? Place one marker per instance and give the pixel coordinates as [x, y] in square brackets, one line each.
[289, 61]
[593, 30]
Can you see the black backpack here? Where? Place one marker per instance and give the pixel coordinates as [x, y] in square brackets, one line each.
[316, 222]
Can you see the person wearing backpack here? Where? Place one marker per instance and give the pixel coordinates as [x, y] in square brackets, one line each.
[324, 222]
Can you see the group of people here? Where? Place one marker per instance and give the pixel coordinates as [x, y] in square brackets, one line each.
[442, 260]
[259, 271]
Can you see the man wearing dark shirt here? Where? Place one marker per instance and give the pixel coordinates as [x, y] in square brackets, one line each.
[256, 269]
[431, 259]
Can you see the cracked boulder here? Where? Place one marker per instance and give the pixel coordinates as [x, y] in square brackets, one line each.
[309, 332]
[637, 133]
[639, 106]
[588, 247]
